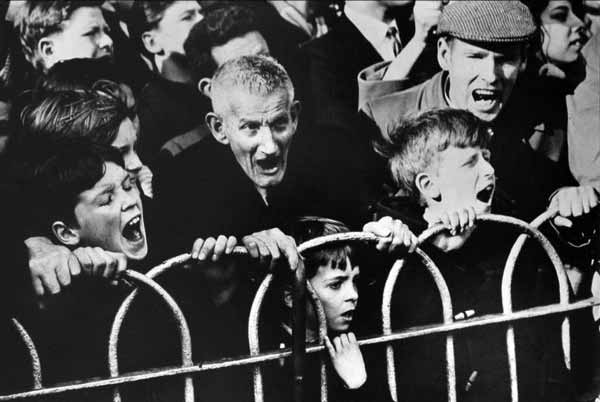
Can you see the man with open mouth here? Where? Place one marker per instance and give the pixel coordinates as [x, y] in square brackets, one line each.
[482, 51]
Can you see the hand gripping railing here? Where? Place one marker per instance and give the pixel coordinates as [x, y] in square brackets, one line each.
[253, 336]
[184, 332]
[530, 230]
[36, 366]
[446, 313]
[563, 290]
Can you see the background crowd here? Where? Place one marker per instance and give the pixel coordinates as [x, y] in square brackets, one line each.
[134, 131]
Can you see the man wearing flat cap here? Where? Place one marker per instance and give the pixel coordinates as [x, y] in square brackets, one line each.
[482, 50]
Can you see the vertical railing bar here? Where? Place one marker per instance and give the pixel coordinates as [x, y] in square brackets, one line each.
[299, 331]
[185, 337]
[253, 337]
[36, 365]
[322, 321]
[386, 306]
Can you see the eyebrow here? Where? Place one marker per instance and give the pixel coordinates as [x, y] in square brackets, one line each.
[104, 189]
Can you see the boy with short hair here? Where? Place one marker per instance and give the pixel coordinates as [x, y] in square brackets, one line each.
[439, 161]
[333, 274]
[52, 31]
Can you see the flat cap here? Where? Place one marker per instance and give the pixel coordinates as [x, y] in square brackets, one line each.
[494, 21]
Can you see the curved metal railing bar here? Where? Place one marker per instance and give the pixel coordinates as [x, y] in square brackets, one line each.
[184, 332]
[253, 336]
[447, 315]
[416, 332]
[507, 307]
[36, 365]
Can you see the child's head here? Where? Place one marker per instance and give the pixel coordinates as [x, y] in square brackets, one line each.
[100, 115]
[330, 271]
[163, 26]
[52, 31]
[440, 159]
[87, 199]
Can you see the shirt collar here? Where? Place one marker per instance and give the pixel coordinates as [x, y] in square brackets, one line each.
[371, 28]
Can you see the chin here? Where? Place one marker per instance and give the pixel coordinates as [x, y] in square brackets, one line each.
[138, 254]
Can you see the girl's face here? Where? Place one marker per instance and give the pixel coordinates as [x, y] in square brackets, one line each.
[563, 32]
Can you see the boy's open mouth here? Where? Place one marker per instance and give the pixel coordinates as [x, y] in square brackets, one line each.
[133, 229]
[485, 195]
[348, 314]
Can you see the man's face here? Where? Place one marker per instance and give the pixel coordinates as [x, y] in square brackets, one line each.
[337, 291]
[250, 44]
[84, 36]
[259, 129]
[175, 26]
[463, 178]
[480, 78]
[562, 32]
[110, 215]
[125, 142]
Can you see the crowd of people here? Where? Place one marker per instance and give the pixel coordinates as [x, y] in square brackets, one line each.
[135, 131]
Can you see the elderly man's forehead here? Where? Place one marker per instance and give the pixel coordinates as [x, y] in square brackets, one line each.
[232, 98]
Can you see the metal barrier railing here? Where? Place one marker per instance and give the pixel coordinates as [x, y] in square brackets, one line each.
[36, 365]
[448, 328]
[184, 332]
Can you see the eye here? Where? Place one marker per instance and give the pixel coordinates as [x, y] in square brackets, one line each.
[335, 285]
[106, 200]
[250, 126]
[487, 154]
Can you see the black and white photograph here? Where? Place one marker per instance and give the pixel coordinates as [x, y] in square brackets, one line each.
[300, 200]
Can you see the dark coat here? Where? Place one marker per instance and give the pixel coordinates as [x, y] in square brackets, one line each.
[473, 275]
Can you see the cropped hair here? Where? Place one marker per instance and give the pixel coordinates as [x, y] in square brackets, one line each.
[219, 26]
[60, 175]
[40, 18]
[415, 143]
[310, 227]
[95, 114]
[261, 75]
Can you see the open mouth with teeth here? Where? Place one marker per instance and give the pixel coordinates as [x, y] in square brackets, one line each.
[268, 164]
[132, 231]
[348, 315]
[486, 95]
[485, 195]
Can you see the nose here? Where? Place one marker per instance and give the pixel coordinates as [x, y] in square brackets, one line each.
[351, 292]
[489, 69]
[198, 16]
[130, 200]
[133, 164]
[105, 41]
[267, 145]
[486, 168]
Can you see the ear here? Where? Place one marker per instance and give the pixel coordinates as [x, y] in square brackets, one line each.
[428, 187]
[288, 299]
[217, 128]
[150, 43]
[45, 49]
[523, 65]
[295, 112]
[443, 53]
[204, 86]
[65, 234]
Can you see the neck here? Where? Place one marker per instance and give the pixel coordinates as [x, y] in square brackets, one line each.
[174, 68]
[263, 194]
[370, 8]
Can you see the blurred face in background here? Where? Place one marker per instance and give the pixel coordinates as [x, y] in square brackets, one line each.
[563, 32]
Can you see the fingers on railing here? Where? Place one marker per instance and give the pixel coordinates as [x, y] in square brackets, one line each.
[36, 366]
[184, 332]
[446, 301]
